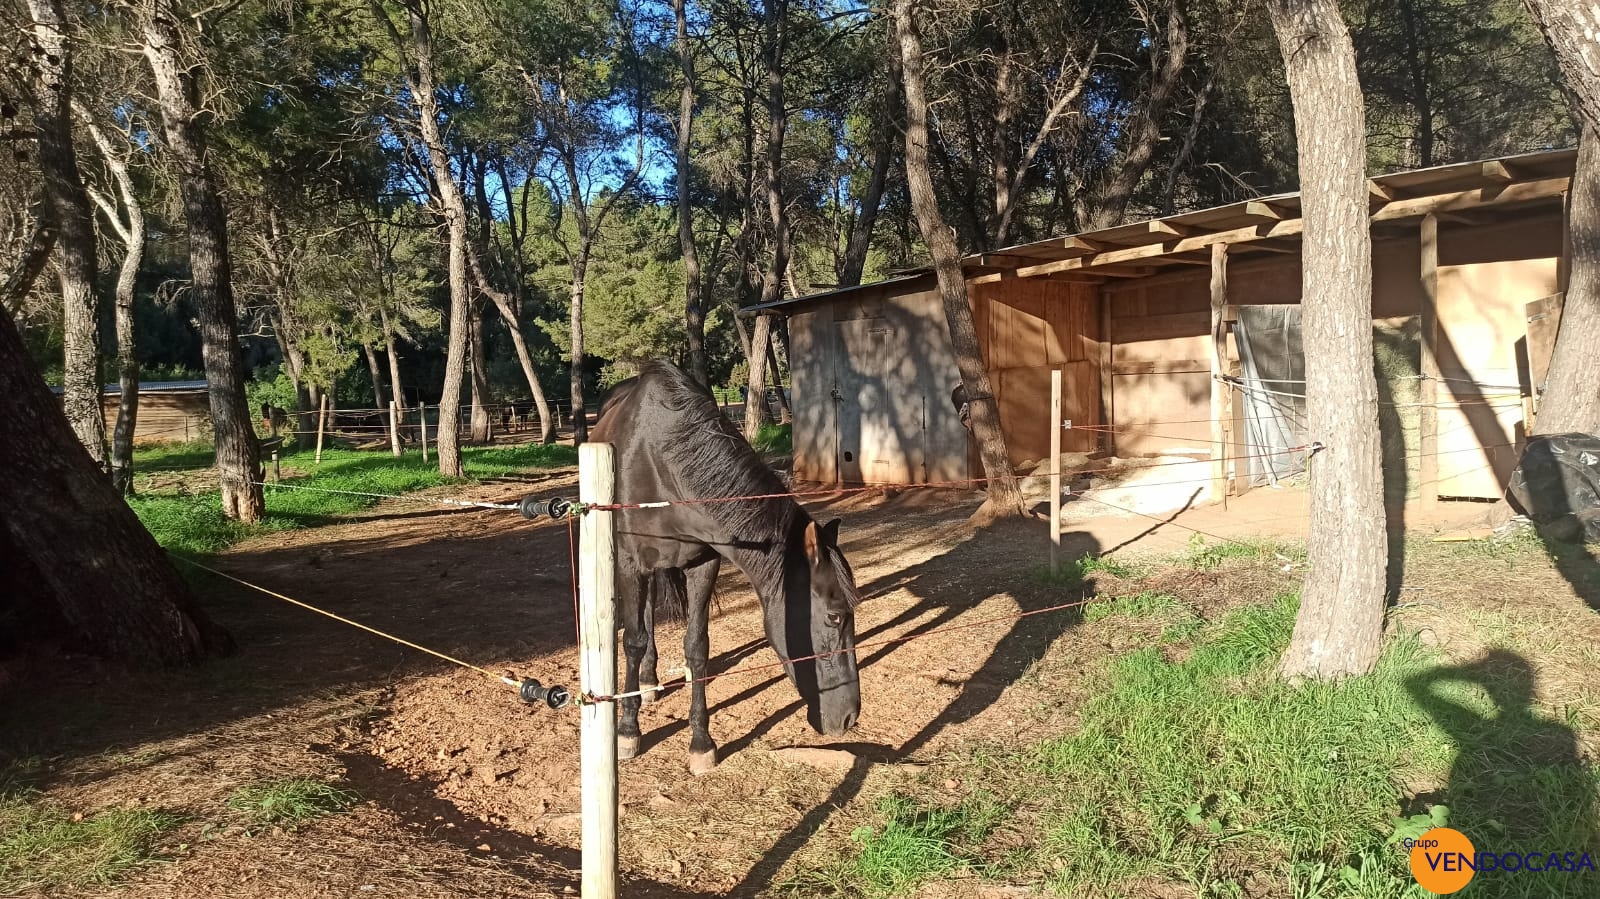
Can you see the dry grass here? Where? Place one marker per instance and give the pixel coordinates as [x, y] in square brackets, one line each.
[186, 743]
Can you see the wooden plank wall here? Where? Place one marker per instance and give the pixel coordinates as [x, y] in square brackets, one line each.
[1160, 363]
[164, 417]
[1027, 328]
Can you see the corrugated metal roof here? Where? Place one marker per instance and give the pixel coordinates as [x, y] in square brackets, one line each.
[150, 387]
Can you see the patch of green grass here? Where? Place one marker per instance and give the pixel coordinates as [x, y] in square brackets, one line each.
[914, 844]
[1207, 771]
[774, 440]
[290, 803]
[1081, 569]
[194, 523]
[1214, 757]
[1137, 605]
[1209, 556]
[190, 456]
[43, 846]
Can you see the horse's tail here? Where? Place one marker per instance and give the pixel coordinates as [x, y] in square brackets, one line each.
[669, 594]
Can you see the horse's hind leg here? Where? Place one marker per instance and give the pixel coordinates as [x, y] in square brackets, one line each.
[632, 600]
[702, 579]
[647, 664]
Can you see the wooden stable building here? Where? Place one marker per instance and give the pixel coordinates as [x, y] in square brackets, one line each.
[1180, 336]
[169, 411]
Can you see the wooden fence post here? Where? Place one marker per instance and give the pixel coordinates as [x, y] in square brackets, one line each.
[1056, 425]
[322, 423]
[394, 427]
[422, 423]
[597, 671]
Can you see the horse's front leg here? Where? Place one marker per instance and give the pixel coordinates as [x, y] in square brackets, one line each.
[633, 598]
[701, 579]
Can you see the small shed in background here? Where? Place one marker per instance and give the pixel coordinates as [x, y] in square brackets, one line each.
[169, 411]
[1180, 336]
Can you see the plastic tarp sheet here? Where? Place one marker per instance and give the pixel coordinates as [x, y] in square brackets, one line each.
[1273, 371]
[1557, 484]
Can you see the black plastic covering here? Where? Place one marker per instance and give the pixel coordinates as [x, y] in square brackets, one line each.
[1557, 484]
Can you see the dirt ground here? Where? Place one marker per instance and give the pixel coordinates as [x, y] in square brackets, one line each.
[469, 792]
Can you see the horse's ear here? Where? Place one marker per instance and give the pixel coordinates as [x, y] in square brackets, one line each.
[830, 532]
[811, 541]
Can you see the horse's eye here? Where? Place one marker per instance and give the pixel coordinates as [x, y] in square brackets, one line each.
[835, 619]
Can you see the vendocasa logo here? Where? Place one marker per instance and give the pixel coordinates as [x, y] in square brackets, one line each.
[1444, 860]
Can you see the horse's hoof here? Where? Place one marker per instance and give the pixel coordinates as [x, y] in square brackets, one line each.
[627, 748]
[702, 762]
[651, 692]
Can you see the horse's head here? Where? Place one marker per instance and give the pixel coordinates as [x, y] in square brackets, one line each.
[817, 618]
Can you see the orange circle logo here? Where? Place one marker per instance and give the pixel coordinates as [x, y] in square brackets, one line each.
[1443, 860]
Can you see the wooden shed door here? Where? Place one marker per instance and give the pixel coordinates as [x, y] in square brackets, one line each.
[880, 416]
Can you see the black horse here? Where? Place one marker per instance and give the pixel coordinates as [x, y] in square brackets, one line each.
[673, 443]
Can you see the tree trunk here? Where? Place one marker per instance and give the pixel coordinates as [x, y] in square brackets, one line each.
[1417, 69]
[238, 453]
[1005, 497]
[455, 214]
[508, 314]
[36, 250]
[580, 272]
[1571, 399]
[776, 38]
[785, 414]
[377, 380]
[130, 227]
[1340, 626]
[127, 364]
[481, 425]
[396, 386]
[1144, 133]
[74, 217]
[110, 582]
[860, 242]
[1569, 27]
[694, 310]
[755, 391]
[305, 399]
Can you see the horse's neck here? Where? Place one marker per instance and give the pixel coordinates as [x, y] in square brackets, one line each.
[764, 565]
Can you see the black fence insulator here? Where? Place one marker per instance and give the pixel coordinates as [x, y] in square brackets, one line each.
[556, 509]
[533, 692]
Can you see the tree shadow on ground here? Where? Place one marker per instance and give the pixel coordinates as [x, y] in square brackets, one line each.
[487, 586]
[950, 585]
[1519, 782]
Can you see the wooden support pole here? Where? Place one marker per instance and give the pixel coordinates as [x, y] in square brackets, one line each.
[277, 470]
[1428, 395]
[1056, 426]
[322, 424]
[597, 671]
[1220, 411]
[1108, 417]
[422, 424]
[394, 427]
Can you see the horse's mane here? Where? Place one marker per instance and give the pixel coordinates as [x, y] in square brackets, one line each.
[710, 458]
